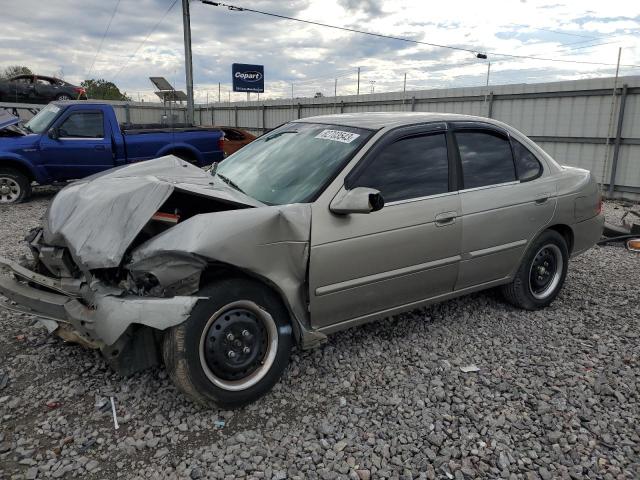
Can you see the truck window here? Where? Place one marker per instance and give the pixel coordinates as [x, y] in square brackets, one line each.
[83, 125]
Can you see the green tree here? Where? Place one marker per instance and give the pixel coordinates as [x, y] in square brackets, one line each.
[100, 89]
[13, 70]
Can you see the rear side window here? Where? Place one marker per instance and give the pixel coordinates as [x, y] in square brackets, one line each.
[409, 168]
[83, 125]
[527, 165]
[486, 158]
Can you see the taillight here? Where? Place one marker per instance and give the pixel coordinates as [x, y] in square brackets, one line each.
[599, 205]
[80, 90]
[221, 143]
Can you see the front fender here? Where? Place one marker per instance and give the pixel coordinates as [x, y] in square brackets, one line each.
[269, 242]
[14, 160]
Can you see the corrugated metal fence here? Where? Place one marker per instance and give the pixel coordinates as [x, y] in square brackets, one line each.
[579, 123]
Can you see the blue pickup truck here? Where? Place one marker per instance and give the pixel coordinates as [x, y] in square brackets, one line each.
[69, 140]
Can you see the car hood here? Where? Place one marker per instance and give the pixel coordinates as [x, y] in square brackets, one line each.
[6, 119]
[99, 217]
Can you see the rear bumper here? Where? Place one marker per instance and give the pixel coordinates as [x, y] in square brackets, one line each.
[99, 318]
[586, 234]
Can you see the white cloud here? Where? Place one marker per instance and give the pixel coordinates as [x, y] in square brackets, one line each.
[45, 37]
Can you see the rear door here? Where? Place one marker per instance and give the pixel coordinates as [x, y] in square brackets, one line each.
[503, 208]
[83, 147]
[363, 264]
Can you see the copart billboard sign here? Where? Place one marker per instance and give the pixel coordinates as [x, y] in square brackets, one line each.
[248, 78]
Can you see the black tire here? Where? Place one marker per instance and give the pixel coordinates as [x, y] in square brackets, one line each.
[15, 187]
[64, 96]
[196, 352]
[541, 274]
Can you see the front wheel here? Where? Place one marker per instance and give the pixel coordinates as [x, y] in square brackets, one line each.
[233, 347]
[14, 186]
[541, 274]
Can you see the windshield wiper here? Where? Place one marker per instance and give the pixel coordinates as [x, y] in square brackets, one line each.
[230, 182]
[276, 135]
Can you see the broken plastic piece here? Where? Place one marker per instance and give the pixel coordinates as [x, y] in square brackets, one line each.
[219, 423]
[469, 368]
[113, 410]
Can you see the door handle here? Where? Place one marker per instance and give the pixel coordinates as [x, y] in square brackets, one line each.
[542, 198]
[446, 218]
[99, 147]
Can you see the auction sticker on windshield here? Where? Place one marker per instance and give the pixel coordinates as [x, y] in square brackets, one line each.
[338, 136]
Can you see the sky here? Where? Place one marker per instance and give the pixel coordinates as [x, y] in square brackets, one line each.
[70, 39]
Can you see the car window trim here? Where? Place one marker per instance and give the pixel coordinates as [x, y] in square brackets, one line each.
[480, 127]
[493, 185]
[392, 136]
[420, 199]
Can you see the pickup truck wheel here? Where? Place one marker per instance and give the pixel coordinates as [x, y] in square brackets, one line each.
[14, 186]
[541, 275]
[233, 347]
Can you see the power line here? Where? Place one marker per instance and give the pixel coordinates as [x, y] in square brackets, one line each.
[113, 14]
[146, 38]
[401, 39]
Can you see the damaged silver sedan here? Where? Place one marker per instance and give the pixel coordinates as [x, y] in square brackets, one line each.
[322, 224]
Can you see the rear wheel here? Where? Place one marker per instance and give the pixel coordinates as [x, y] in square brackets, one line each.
[63, 96]
[14, 186]
[233, 347]
[541, 274]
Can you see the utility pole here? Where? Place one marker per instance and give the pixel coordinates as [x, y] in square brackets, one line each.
[358, 90]
[188, 64]
[488, 72]
[335, 88]
[610, 126]
[218, 92]
[404, 88]
[373, 85]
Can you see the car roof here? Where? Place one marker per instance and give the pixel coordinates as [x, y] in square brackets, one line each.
[378, 120]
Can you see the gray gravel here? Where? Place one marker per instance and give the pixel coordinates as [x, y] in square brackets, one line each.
[556, 395]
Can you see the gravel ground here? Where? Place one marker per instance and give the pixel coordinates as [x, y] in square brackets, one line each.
[556, 395]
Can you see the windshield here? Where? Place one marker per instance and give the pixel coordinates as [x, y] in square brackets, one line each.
[292, 163]
[43, 119]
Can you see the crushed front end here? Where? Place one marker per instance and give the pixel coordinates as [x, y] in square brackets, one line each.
[97, 309]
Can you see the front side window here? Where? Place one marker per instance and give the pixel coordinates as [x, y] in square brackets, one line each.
[527, 165]
[409, 168]
[83, 125]
[292, 163]
[486, 158]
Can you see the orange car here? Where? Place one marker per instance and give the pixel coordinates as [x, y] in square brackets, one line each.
[235, 139]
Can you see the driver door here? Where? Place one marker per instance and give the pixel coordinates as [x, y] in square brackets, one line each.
[365, 264]
[82, 148]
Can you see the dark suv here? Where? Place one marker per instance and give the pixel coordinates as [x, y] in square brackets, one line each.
[38, 89]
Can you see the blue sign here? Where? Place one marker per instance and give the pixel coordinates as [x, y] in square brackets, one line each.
[248, 78]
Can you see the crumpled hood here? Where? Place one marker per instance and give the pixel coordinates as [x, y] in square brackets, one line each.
[6, 119]
[98, 217]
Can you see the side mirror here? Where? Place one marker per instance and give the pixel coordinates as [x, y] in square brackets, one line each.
[53, 133]
[357, 200]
